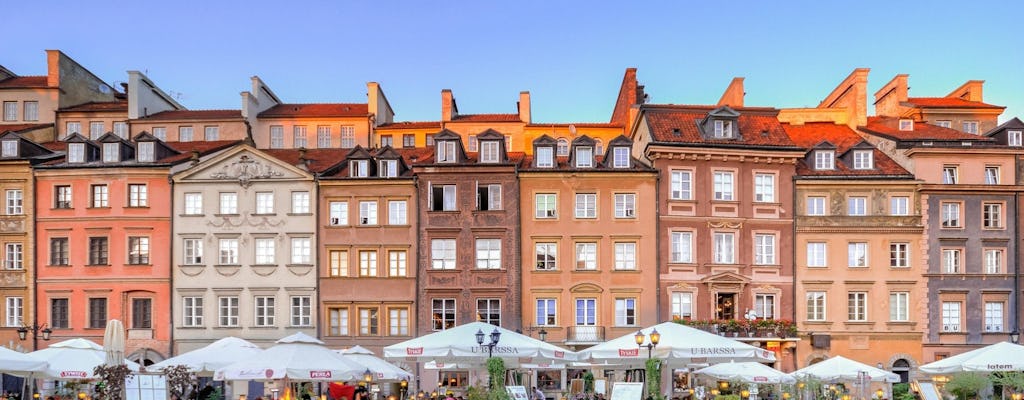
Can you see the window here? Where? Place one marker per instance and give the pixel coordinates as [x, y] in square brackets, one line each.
[899, 306]
[299, 136]
[824, 159]
[429, 139]
[545, 205]
[264, 310]
[949, 174]
[563, 146]
[951, 261]
[72, 128]
[276, 137]
[338, 324]
[1013, 138]
[993, 261]
[323, 136]
[229, 203]
[388, 168]
[442, 253]
[993, 316]
[586, 205]
[584, 157]
[98, 251]
[815, 306]
[100, 197]
[620, 157]
[625, 205]
[146, 152]
[442, 198]
[265, 202]
[950, 316]
[142, 313]
[488, 254]
[899, 205]
[725, 248]
[723, 129]
[944, 123]
[227, 310]
[137, 196]
[15, 311]
[681, 185]
[10, 148]
[857, 254]
[547, 256]
[682, 305]
[408, 140]
[348, 136]
[488, 197]
[544, 157]
[265, 249]
[764, 305]
[228, 251]
[397, 263]
[301, 248]
[857, 206]
[13, 256]
[14, 202]
[970, 127]
[121, 129]
[764, 188]
[488, 311]
[111, 152]
[443, 314]
[95, 129]
[489, 152]
[950, 215]
[446, 151]
[211, 133]
[991, 175]
[160, 133]
[862, 159]
[193, 249]
[302, 311]
[764, 249]
[857, 306]
[397, 212]
[300, 202]
[816, 254]
[97, 313]
[586, 312]
[185, 134]
[625, 312]
[338, 211]
[193, 203]
[338, 262]
[906, 124]
[992, 215]
[625, 256]
[398, 321]
[816, 205]
[367, 263]
[899, 255]
[59, 251]
[586, 256]
[367, 213]
[723, 185]
[387, 140]
[192, 311]
[682, 247]
[76, 153]
[547, 313]
[31, 111]
[138, 250]
[59, 314]
[62, 196]
[359, 168]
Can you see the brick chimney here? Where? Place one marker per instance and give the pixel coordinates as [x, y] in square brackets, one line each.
[852, 95]
[970, 91]
[733, 96]
[889, 97]
[448, 109]
[524, 106]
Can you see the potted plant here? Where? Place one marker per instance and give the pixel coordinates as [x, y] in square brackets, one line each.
[733, 326]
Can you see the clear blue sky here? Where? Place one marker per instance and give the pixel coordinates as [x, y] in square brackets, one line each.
[569, 54]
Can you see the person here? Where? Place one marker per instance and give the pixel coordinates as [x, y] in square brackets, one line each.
[449, 396]
[206, 392]
[538, 394]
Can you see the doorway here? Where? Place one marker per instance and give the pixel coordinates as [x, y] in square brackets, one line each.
[726, 306]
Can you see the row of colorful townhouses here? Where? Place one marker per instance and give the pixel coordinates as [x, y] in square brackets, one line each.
[891, 239]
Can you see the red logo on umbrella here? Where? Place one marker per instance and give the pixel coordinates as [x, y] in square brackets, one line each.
[72, 374]
[414, 351]
[269, 373]
[319, 374]
[559, 354]
[629, 352]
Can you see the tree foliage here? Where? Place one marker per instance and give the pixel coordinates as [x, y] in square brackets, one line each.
[111, 379]
[967, 385]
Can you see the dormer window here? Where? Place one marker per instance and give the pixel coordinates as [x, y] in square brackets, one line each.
[906, 124]
[620, 157]
[862, 159]
[445, 151]
[358, 168]
[388, 168]
[563, 147]
[545, 158]
[145, 152]
[489, 151]
[111, 152]
[76, 152]
[1013, 138]
[584, 157]
[10, 148]
[723, 129]
[824, 159]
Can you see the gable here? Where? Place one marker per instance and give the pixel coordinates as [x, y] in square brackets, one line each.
[243, 165]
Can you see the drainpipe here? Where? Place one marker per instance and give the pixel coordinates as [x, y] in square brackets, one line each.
[657, 244]
[319, 259]
[1016, 266]
[792, 260]
[170, 264]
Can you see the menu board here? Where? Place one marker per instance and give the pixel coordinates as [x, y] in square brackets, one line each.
[517, 392]
[145, 387]
[627, 391]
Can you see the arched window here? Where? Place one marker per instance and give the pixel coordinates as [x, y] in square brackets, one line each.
[599, 146]
[563, 146]
[901, 367]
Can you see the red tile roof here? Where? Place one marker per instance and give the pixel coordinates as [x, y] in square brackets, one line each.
[321, 110]
[487, 118]
[195, 114]
[757, 126]
[844, 138]
[56, 145]
[889, 127]
[24, 82]
[98, 106]
[319, 159]
[23, 127]
[203, 147]
[577, 124]
[947, 102]
[412, 125]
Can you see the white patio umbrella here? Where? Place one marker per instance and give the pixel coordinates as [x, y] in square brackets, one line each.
[839, 368]
[382, 370]
[459, 345]
[680, 346]
[1002, 356]
[73, 359]
[298, 357]
[113, 342]
[204, 361]
[750, 372]
[12, 361]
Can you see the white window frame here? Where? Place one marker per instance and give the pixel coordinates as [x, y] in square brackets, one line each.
[586, 256]
[1014, 138]
[764, 305]
[146, 151]
[724, 185]
[681, 185]
[368, 212]
[950, 312]
[546, 255]
[993, 261]
[993, 319]
[264, 310]
[857, 206]
[15, 203]
[185, 134]
[992, 174]
[31, 111]
[192, 311]
[764, 188]
[489, 150]
[302, 251]
[14, 256]
[724, 246]
[857, 254]
[950, 174]
[300, 202]
[348, 136]
[10, 148]
[951, 215]
[899, 205]
[681, 247]
[817, 302]
[992, 215]
[625, 205]
[227, 311]
[899, 255]
[387, 168]
[681, 305]
[398, 212]
[448, 307]
[863, 159]
[10, 111]
[817, 254]
[584, 157]
[76, 152]
[323, 136]
[276, 137]
[266, 249]
[546, 312]
[265, 203]
[211, 133]
[138, 195]
[824, 159]
[111, 152]
[817, 205]
[299, 137]
[193, 203]
[442, 253]
[446, 151]
[301, 311]
[625, 256]
[620, 157]
[952, 261]
[337, 213]
[857, 306]
[14, 311]
[227, 250]
[545, 157]
[545, 205]
[586, 205]
[764, 249]
[488, 253]
[228, 203]
[899, 306]
[625, 311]
[192, 251]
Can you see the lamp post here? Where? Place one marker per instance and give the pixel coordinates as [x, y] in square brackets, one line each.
[1015, 336]
[403, 385]
[543, 335]
[655, 338]
[36, 331]
[495, 336]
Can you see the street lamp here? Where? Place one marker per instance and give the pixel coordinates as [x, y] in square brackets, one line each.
[36, 330]
[879, 393]
[543, 334]
[495, 336]
[404, 384]
[368, 376]
[655, 338]
[745, 393]
[1014, 336]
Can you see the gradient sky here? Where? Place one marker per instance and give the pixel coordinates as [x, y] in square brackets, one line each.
[569, 54]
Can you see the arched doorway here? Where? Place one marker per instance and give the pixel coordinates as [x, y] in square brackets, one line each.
[901, 367]
[145, 356]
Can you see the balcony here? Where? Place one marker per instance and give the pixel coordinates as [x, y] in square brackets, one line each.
[584, 334]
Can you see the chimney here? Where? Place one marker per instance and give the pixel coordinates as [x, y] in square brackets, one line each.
[851, 95]
[53, 68]
[733, 96]
[888, 99]
[970, 91]
[303, 161]
[373, 97]
[448, 109]
[524, 106]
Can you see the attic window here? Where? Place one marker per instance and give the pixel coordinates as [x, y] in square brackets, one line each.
[863, 159]
[358, 168]
[676, 132]
[966, 144]
[620, 157]
[489, 151]
[723, 129]
[563, 146]
[445, 151]
[824, 159]
[388, 168]
[111, 152]
[145, 152]
[926, 143]
[906, 124]
[584, 157]
[1013, 138]
[76, 152]
[544, 157]
[11, 148]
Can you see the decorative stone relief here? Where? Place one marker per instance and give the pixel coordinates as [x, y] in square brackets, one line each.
[245, 170]
[248, 220]
[12, 225]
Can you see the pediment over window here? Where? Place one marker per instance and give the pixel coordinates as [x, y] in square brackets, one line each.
[151, 148]
[115, 148]
[582, 154]
[491, 147]
[721, 123]
[16, 146]
[544, 155]
[448, 148]
[586, 288]
[725, 278]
